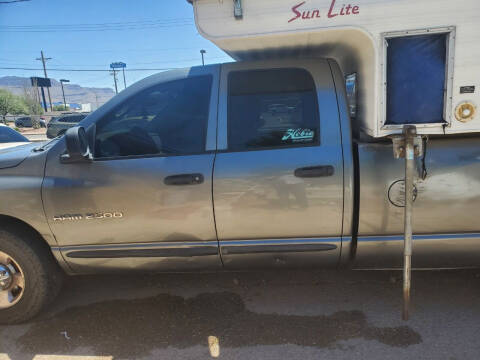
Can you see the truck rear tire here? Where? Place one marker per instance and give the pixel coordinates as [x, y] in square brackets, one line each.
[30, 278]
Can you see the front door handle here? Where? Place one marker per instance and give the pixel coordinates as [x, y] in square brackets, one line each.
[315, 171]
[184, 179]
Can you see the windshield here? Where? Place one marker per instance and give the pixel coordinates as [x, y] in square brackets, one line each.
[9, 135]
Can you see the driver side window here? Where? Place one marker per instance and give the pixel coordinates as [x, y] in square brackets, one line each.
[165, 119]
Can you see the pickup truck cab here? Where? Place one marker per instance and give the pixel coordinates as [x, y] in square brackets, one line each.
[233, 166]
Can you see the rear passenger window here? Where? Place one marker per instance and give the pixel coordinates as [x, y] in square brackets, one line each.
[272, 109]
[77, 118]
[166, 119]
[72, 119]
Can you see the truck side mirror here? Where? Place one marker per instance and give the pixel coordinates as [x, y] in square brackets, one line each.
[78, 149]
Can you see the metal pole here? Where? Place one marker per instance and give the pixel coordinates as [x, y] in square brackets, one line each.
[203, 60]
[124, 81]
[410, 133]
[63, 93]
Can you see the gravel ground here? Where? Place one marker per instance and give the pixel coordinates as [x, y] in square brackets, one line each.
[255, 315]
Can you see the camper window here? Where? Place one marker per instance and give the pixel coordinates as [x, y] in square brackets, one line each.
[416, 74]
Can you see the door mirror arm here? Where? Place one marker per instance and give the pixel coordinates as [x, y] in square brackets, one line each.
[78, 149]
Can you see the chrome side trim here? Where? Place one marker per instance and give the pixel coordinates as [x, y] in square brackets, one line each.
[141, 250]
[150, 257]
[420, 237]
[280, 241]
[273, 253]
[429, 251]
[277, 246]
[124, 253]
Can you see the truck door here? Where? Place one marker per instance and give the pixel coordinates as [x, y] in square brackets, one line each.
[278, 174]
[145, 201]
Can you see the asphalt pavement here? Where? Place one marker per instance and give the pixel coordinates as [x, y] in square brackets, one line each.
[306, 314]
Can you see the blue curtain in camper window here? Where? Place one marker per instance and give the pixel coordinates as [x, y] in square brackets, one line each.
[416, 67]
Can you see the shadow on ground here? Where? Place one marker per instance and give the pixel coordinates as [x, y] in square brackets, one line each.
[132, 328]
[328, 314]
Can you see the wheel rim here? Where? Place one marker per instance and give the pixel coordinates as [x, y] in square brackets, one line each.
[12, 281]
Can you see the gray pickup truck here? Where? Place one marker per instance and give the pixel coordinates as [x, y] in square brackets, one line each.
[233, 166]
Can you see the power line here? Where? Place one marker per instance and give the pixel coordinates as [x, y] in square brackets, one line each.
[93, 30]
[96, 27]
[172, 20]
[12, 1]
[159, 50]
[136, 63]
[104, 70]
[85, 70]
[141, 63]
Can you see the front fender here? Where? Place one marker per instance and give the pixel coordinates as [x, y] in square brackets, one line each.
[21, 181]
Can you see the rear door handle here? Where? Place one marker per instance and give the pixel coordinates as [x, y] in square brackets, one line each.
[184, 179]
[315, 171]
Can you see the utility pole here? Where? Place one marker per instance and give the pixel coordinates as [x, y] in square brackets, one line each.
[203, 53]
[124, 81]
[43, 59]
[36, 90]
[44, 101]
[117, 65]
[115, 80]
[63, 93]
[96, 100]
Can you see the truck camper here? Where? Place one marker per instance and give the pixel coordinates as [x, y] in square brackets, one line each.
[410, 67]
[289, 157]
[416, 61]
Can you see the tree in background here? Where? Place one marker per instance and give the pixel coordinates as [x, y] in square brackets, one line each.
[60, 108]
[30, 100]
[32, 106]
[11, 104]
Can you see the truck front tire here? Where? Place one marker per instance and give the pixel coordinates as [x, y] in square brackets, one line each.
[29, 276]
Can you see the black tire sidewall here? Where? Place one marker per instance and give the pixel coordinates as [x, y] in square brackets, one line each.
[35, 260]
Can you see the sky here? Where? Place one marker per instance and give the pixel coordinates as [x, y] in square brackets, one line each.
[91, 34]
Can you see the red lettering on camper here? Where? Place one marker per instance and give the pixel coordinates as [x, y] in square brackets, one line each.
[296, 12]
[333, 11]
[309, 14]
[344, 10]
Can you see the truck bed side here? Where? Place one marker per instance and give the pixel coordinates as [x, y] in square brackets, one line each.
[445, 214]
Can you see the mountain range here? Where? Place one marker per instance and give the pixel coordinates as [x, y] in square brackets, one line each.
[73, 93]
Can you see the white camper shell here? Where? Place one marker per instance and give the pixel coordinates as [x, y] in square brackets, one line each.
[416, 61]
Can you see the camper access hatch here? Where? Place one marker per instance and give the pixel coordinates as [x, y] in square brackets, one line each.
[417, 72]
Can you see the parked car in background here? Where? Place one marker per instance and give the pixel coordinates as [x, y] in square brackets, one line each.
[10, 138]
[26, 121]
[58, 125]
